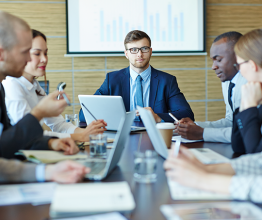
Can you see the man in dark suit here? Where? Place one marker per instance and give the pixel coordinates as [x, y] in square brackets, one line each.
[142, 85]
[15, 43]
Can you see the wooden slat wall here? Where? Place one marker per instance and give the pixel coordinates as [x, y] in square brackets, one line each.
[194, 75]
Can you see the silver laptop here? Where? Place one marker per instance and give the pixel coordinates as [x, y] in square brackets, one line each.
[109, 108]
[100, 168]
[205, 155]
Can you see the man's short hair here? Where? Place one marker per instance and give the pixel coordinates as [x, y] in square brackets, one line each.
[232, 37]
[8, 26]
[136, 35]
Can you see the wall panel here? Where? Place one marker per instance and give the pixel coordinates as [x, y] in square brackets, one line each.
[84, 75]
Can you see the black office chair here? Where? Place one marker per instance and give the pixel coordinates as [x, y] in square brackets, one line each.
[45, 87]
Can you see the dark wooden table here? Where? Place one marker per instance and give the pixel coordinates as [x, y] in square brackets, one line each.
[148, 197]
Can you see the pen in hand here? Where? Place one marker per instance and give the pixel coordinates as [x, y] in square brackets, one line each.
[88, 111]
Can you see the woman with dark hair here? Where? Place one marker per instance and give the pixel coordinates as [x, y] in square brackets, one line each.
[241, 178]
[23, 94]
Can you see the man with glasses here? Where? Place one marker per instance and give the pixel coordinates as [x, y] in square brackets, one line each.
[142, 85]
[226, 69]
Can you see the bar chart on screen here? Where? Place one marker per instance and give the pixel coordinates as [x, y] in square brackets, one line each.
[104, 24]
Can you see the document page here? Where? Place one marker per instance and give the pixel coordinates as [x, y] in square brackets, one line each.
[26, 193]
[92, 197]
[49, 156]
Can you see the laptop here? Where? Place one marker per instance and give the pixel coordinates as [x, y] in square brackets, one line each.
[109, 108]
[101, 168]
[205, 155]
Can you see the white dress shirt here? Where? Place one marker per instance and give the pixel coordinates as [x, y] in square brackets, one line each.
[146, 76]
[21, 98]
[221, 130]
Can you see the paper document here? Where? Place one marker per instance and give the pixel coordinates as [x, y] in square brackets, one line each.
[49, 156]
[179, 192]
[108, 216]
[183, 140]
[26, 193]
[208, 156]
[212, 210]
[91, 198]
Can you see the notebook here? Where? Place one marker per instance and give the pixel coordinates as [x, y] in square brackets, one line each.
[91, 198]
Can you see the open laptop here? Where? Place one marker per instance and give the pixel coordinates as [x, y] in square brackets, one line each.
[205, 155]
[109, 108]
[100, 168]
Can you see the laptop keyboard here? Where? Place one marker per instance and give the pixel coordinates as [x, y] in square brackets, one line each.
[96, 167]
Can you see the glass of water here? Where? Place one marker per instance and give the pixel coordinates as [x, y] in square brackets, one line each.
[145, 166]
[98, 145]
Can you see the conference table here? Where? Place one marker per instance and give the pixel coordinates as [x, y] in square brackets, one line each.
[148, 197]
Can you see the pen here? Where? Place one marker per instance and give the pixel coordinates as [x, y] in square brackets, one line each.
[177, 146]
[172, 116]
[89, 111]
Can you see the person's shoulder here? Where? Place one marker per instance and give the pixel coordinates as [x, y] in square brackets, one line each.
[162, 74]
[13, 88]
[118, 74]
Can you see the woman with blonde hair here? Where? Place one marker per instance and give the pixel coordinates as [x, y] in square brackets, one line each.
[241, 178]
[23, 94]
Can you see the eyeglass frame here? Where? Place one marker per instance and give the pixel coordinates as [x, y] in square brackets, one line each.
[237, 65]
[139, 49]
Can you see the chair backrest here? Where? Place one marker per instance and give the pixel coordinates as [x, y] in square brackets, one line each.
[45, 87]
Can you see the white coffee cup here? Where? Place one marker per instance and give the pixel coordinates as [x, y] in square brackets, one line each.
[166, 130]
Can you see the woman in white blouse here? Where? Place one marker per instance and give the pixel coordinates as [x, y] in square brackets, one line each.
[23, 94]
[242, 177]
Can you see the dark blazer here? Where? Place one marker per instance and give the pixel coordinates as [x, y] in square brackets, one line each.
[26, 134]
[246, 131]
[165, 95]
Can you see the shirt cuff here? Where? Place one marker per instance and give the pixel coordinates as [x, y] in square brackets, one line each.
[40, 172]
[240, 187]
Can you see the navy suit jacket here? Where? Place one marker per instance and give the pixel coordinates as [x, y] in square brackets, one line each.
[27, 134]
[246, 131]
[164, 97]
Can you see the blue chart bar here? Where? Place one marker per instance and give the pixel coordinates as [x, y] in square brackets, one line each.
[101, 25]
[157, 27]
[114, 30]
[127, 27]
[176, 29]
[164, 36]
[145, 16]
[169, 23]
[108, 32]
[152, 27]
[181, 27]
[120, 29]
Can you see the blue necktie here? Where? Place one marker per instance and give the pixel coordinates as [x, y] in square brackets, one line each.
[139, 91]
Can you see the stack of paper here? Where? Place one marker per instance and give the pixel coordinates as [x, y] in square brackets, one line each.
[36, 193]
[49, 156]
[184, 140]
[90, 198]
[179, 192]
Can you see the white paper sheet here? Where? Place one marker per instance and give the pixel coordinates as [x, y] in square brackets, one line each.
[37, 193]
[183, 140]
[108, 216]
[179, 192]
[49, 156]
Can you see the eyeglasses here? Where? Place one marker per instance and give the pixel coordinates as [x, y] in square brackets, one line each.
[135, 50]
[237, 65]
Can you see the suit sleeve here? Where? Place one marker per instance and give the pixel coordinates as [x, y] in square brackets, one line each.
[249, 125]
[103, 90]
[177, 104]
[236, 138]
[26, 134]
[16, 171]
